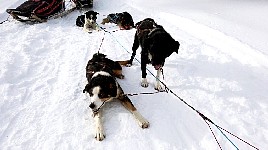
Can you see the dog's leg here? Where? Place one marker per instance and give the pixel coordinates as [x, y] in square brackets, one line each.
[142, 122]
[86, 25]
[96, 27]
[105, 20]
[157, 82]
[85, 28]
[99, 127]
[118, 74]
[144, 82]
[124, 62]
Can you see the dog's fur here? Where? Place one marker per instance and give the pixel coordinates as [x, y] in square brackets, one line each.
[88, 21]
[156, 45]
[123, 20]
[103, 87]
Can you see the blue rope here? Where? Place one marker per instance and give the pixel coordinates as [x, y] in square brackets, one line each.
[227, 138]
[114, 18]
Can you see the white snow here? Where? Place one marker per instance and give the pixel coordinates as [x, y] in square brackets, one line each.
[221, 70]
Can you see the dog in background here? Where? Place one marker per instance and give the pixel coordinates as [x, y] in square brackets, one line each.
[88, 21]
[102, 87]
[156, 45]
[123, 20]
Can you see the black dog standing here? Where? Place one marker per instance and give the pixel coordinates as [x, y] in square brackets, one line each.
[156, 45]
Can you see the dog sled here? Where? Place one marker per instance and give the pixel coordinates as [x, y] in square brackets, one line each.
[38, 11]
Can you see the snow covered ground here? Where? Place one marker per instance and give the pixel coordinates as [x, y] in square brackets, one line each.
[221, 70]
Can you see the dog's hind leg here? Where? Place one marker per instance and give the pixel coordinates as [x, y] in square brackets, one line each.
[99, 127]
[105, 20]
[143, 123]
[118, 74]
[117, 70]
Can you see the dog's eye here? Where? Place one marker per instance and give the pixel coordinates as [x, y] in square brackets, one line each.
[102, 95]
[90, 94]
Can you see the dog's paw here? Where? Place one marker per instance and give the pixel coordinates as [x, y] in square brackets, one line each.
[144, 124]
[99, 135]
[87, 30]
[144, 82]
[121, 76]
[128, 65]
[158, 87]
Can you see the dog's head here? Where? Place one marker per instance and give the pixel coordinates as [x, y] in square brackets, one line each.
[125, 21]
[91, 16]
[97, 56]
[147, 23]
[101, 89]
[158, 59]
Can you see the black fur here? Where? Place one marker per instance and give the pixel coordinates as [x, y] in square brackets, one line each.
[99, 62]
[107, 86]
[123, 20]
[154, 40]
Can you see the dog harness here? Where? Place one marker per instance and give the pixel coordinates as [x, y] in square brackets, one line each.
[113, 17]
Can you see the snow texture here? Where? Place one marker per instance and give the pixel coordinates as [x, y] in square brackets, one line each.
[221, 70]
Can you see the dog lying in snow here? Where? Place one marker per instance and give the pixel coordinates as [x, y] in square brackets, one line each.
[102, 87]
[88, 21]
[123, 20]
[156, 45]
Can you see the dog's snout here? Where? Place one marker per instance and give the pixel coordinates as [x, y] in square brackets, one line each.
[92, 105]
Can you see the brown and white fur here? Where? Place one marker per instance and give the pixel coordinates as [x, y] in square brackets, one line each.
[102, 87]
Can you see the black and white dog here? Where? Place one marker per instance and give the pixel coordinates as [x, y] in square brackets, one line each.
[102, 87]
[156, 45]
[88, 21]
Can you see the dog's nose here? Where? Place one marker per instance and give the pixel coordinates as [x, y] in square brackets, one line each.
[92, 105]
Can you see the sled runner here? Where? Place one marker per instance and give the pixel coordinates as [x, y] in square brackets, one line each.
[37, 11]
[83, 3]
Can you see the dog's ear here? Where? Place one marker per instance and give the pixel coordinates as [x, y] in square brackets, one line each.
[96, 13]
[87, 88]
[177, 46]
[137, 24]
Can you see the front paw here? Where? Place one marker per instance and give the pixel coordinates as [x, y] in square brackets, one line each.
[85, 29]
[144, 124]
[128, 65]
[144, 82]
[121, 76]
[158, 87]
[99, 135]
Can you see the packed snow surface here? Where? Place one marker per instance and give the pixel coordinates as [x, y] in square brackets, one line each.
[221, 70]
